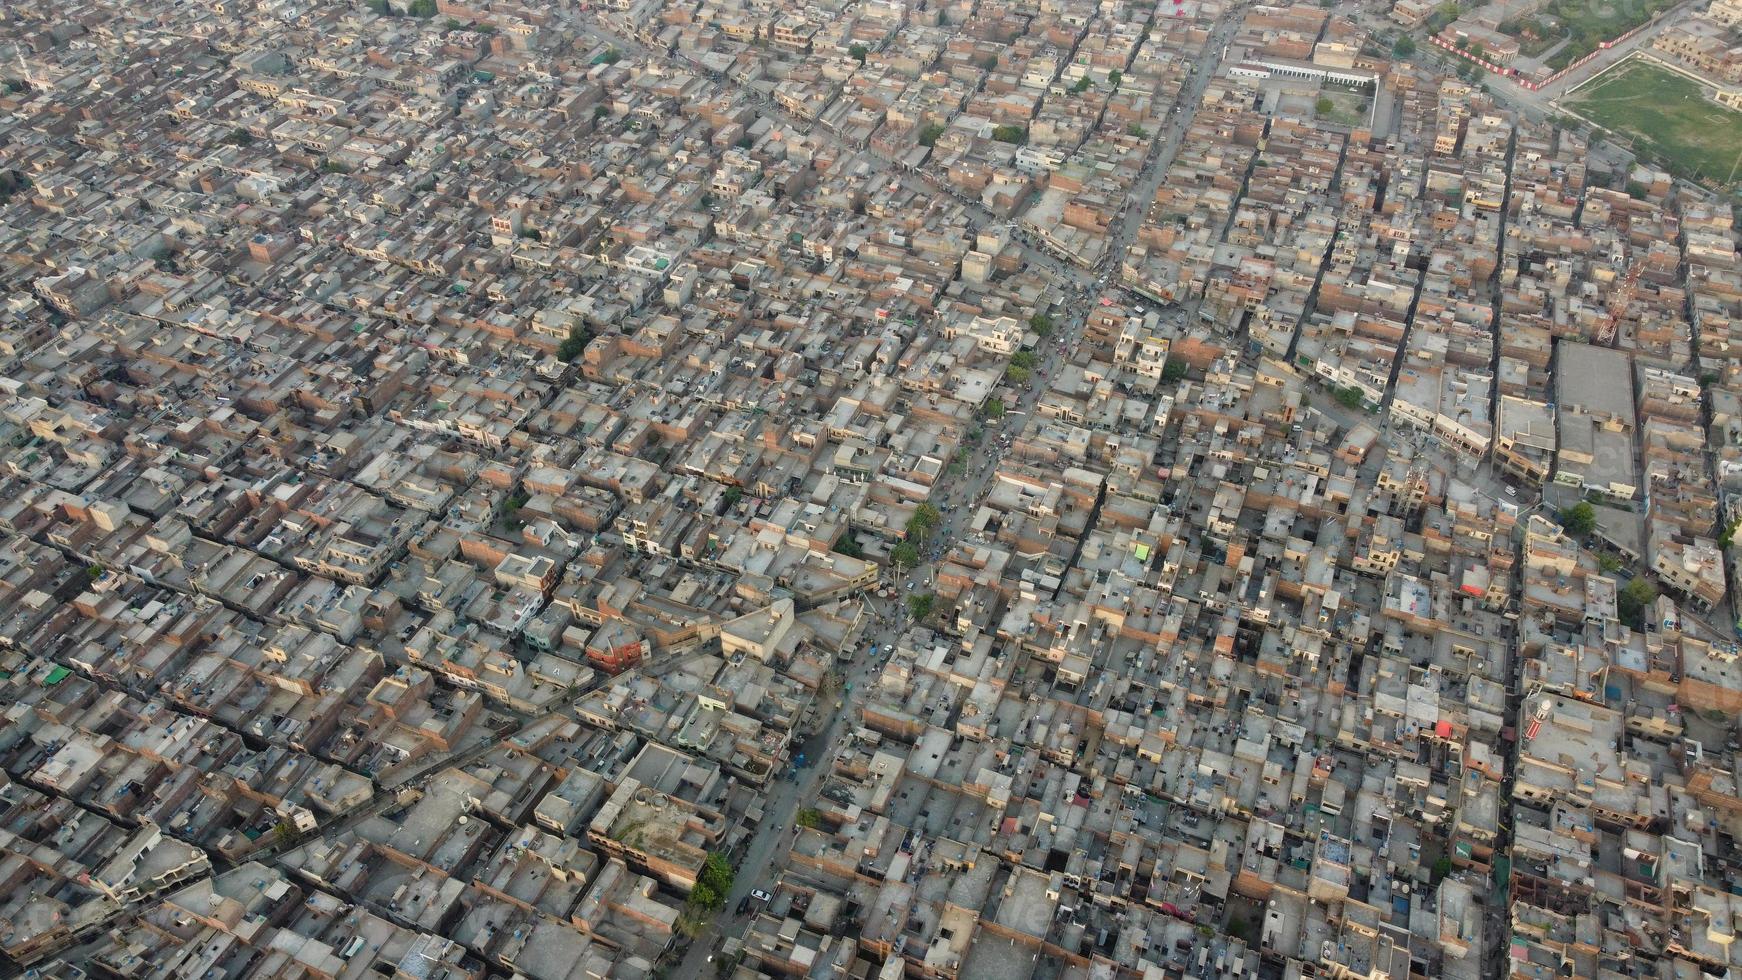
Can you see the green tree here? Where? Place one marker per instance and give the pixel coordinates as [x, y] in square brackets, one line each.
[1729, 533]
[987, 62]
[1405, 47]
[601, 111]
[718, 872]
[1635, 598]
[904, 556]
[920, 606]
[1579, 519]
[1136, 132]
[574, 345]
[1016, 374]
[422, 8]
[1114, 77]
[1325, 106]
[705, 898]
[1442, 867]
[925, 519]
[858, 52]
[713, 884]
[732, 496]
[1010, 134]
[929, 133]
[239, 137]
[1082, 85]
[1024, 359]
[848, 545]
[1173, 370]
[1350, 397]
[1609, 564]
[993, 409]
[809, 818]
[610, 57]
[1041, 324]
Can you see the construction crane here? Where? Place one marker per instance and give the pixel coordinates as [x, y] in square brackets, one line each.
[1619, 302]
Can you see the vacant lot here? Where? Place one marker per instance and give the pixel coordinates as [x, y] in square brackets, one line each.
[1591, 22]
[1668, 116]
[1342, 108]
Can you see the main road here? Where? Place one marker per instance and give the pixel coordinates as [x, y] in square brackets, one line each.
[956, 497]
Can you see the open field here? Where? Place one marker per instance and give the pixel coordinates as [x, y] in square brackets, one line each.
[1591, 22]
[1343, 108]
[1666, 115]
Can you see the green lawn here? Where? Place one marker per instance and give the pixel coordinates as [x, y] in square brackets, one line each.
[1591, 22]
[1667, 116]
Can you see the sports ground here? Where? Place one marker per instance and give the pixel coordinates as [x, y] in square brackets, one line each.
[1667, 116]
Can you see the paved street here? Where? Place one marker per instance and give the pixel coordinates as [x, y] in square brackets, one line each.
[957, 500]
